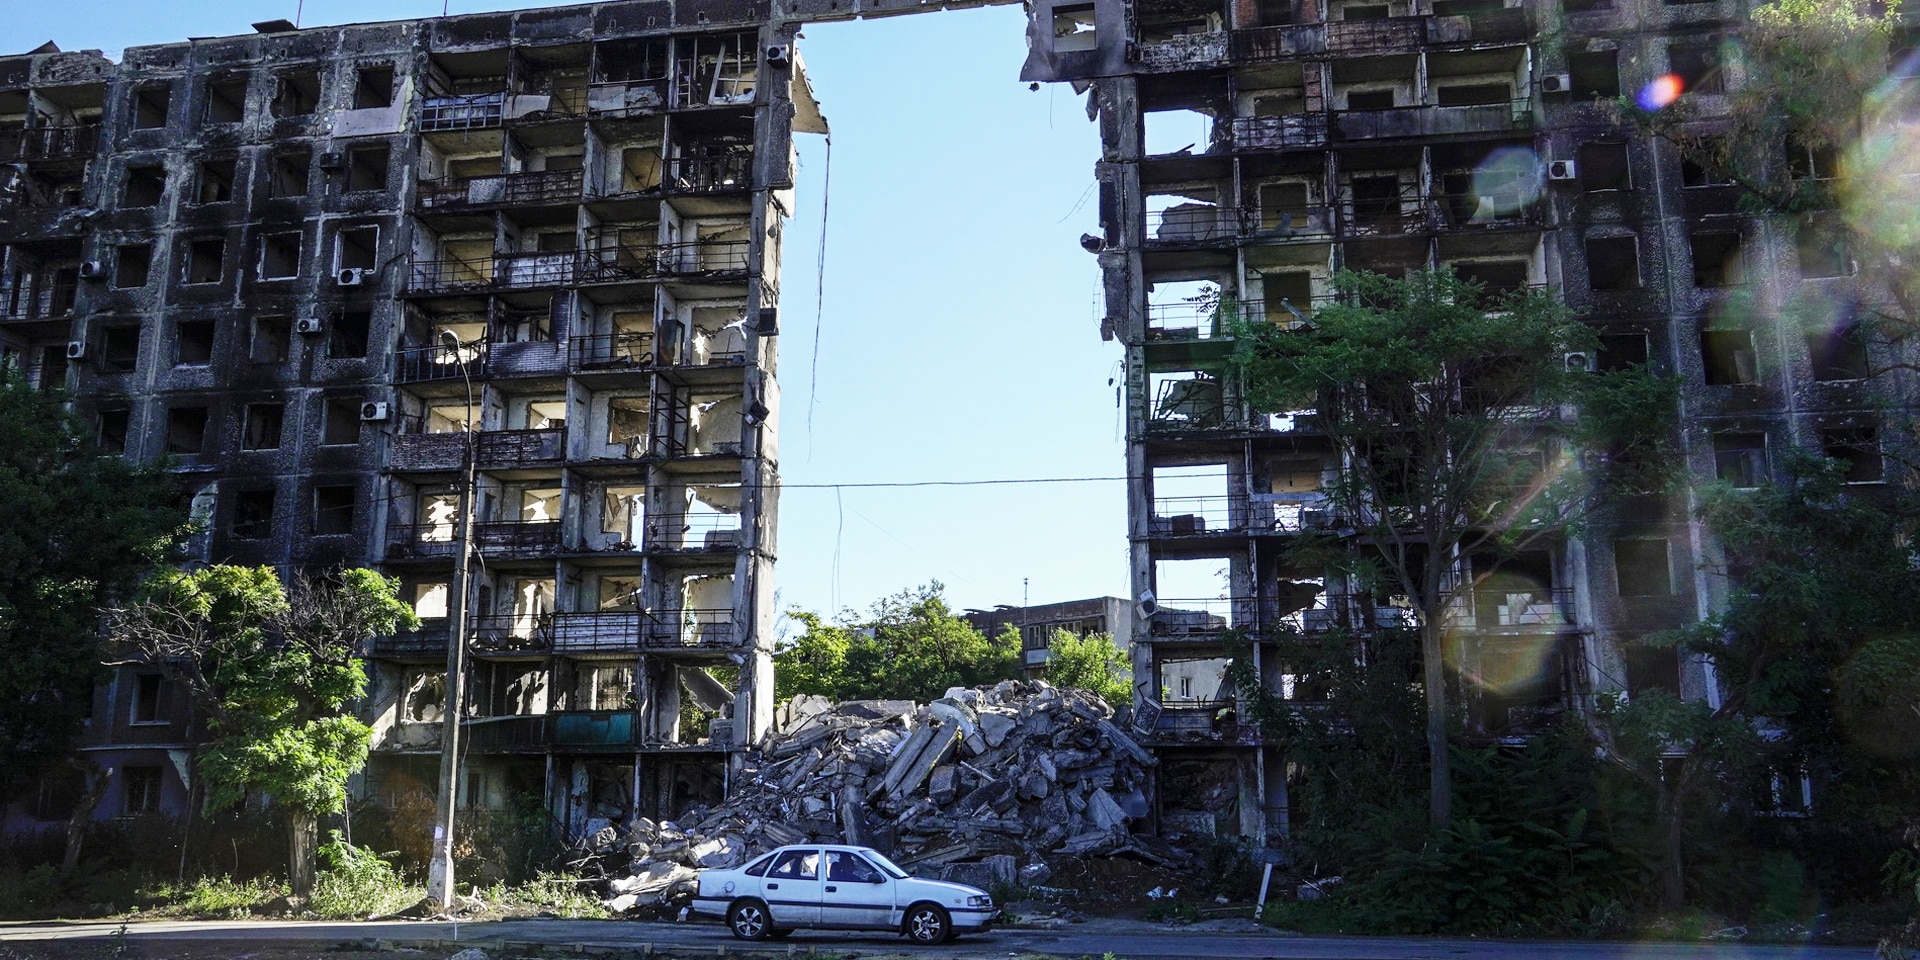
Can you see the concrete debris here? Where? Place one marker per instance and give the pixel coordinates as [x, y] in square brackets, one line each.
[469, 954]
[980, 786]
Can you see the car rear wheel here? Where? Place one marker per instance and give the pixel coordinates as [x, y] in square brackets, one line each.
[926, 923]
[749, 921]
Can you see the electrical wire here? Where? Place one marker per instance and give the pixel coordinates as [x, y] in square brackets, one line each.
[819, 294]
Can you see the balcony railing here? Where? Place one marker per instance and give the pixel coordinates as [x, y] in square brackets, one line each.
[1521, 609]
[714, 174]
[517, 539]
[1433, 121]
[1205, 617]
[613, 350]
[469, 112]
[504, 733]
[445, 451]
[546, 186]
[627, 98]
[1202, 321]
[1279, 133]
[705, 257]
[512, 632]
[689, 629]
[1386, 34]
[1354, 613]
[592, 728]
[416, 541]
[440, 362]
[430, 640]
[49, 143]
[693, 531]
[1195, 516]
[596, 631]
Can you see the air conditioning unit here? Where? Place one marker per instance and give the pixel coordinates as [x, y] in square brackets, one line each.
[352, 276]
[1146, 605]
[1579, 361]
[778, 53]
[76, 349]
[1562, 170]
[332, 160]
[768, 323]
[309, 325]
[1556, 83]
[373, 411]
[92, 270]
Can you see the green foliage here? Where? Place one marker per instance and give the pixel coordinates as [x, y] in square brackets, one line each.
[355, 883]
[78, 526]
[912, 647]
[1092, 663]
[557, 894]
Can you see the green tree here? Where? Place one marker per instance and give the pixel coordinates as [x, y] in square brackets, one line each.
[1458, 427]
[275, 670]
[911, 647]
[1091, 662]
[78, 527]
[1818, 642]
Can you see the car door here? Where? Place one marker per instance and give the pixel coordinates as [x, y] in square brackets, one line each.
[792, 888]
[855, 893]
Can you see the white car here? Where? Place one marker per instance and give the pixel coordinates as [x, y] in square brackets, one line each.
[828, 887]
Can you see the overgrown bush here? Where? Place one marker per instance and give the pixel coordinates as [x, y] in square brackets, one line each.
[556, 894]
[355, 882]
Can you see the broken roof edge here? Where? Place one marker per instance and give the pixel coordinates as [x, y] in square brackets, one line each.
[807, 117]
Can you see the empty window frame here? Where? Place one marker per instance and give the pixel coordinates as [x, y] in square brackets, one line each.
[213, 181]
[288, 171]
[1740, 458]
[252, 514]
[280, 256]
[150, 105]
[132, 264]
[333, 510]
[347, 335]
[1621, 351]
[1698, 67]
[1651, 668]
[340, 421]
[296, 93]
[367, 166]
[1586, 6]
[206, 260]
[119, 348]
[1824, 249]
[1473, 94]
[186, 429]
[271, 339]
[1808, 162]
[1642, 567]
[1858, 448]
[145, 185]
[193, 342]
[1698, 170]
[226, 100]
[356, 248]
[1727, 357]
[1613, 263]
[1369, 99]
[264, 423]
[139, 790]
[1717, 258]
[373, 87]
[1604, 166]
[112, 429]
[1074, 28]
[1839, 354]
[1595, 74]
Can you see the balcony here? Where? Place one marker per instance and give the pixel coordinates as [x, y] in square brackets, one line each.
[49, 143]
[1288, 132]
[1522, 609]
[629, 631]
[505, 271]
[547, 186]
[705, 257]
[1202, 321]
[1275, 43]
[420, 541]
[714, 174]
[492, 448]
[1350, 613]
[1205, 618]
[487, 734]
[427, 642]
[441, 362]
[689, 629]
[592, 728]
[517, 539]
[511, 633]
[477, 111]
[1198, 223]
[627, 98]
[680, 531]
[1212, 721]
[612, 351]
[1433, 121]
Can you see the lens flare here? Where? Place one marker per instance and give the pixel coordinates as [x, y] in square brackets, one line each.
[1662, 92]
[1508, 181]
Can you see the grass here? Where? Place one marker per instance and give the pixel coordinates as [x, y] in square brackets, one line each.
[213, 898]
[553, 893]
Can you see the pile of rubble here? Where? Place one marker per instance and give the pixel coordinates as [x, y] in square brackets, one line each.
[979, 786]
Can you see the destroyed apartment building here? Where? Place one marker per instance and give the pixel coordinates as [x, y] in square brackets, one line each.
[1251, 148]
[325, 269]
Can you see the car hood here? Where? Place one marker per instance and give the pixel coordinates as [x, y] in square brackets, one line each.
[942, 889]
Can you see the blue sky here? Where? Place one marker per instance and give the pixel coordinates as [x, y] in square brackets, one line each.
[959, 339]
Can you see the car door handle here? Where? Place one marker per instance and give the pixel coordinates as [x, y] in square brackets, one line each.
[833, 889]
[773, 886]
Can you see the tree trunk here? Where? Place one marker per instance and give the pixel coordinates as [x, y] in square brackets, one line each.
[1673, 870]
[1439, 767]
[97, 778]
[300, 836]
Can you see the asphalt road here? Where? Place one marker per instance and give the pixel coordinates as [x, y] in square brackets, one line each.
[1126, 939]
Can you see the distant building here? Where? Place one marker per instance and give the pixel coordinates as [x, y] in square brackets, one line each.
[1110, 615]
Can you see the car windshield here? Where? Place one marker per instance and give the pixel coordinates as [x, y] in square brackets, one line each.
[884, 864]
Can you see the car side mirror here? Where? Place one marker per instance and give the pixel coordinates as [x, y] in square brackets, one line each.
[878, 880]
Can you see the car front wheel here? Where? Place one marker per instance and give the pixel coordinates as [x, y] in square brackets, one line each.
[926, 923]
[749, 921]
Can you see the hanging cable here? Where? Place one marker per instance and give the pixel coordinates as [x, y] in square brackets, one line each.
[819, 294]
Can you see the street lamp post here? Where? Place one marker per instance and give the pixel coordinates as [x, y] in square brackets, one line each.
[440, 869]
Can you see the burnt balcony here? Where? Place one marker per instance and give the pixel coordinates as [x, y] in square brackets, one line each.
[1384, 35]
[612, 351]
[1281, 42]
[491, 448]
[23, 144]
[1516, 609]
[1348, 613]
[1420, 121]
[627, 98]
[1205, 618]
[1200, 223]
[531, 270]
[592, 728]
[427, 642]
[1196, 516]
[486, 734]
[595, 631]
[420, 541]
[705, 257]
[1207, 721]
[546, 186]
[721, 173]
[1214, 321]
[511, 633]
[440, 362]
[1287, 132]
[476, 111]
[689, 629]
[693, 531]
[517, 539]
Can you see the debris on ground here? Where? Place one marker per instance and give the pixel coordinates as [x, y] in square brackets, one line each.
[981, 786]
